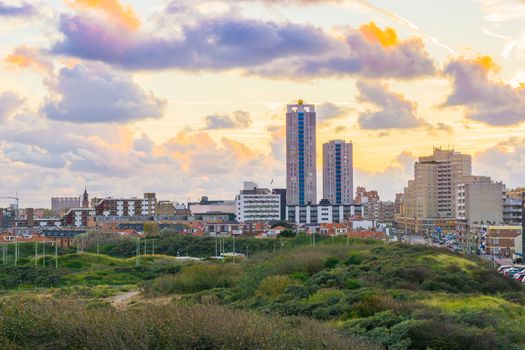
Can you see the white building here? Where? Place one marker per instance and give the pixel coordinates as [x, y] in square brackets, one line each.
[257, 204]
[301, 155]
[338, 172]
[324, 213]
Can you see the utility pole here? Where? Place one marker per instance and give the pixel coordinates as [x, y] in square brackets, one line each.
[56, 254]
[36, 254]
[16, 250]
[233, 236]
[153, 247]
[137, 262]
[44, 254]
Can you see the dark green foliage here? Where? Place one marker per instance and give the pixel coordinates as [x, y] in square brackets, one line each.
[287, 234]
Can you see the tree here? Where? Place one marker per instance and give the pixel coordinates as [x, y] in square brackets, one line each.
[287, 234]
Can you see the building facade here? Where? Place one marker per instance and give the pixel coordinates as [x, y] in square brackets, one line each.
[127, 207]
[301, 154]
[338, 172]
[370, 201]
[60, 205]
[479, 201]
[79, 217]
[432, 193]
[512, 206]
[257, 204]
[208, 206]
[324, 213]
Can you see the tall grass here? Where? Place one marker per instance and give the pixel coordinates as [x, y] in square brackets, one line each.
[38, 324]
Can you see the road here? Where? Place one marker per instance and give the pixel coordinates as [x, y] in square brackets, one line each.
[122, 299]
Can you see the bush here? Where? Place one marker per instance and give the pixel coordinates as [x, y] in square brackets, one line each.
[273, 286]
[331, 262]
[195, 278]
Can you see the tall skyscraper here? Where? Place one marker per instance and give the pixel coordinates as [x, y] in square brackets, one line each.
[301, 164]
[338, 172]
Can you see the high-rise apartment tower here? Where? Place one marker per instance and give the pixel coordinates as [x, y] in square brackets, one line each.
[338, 172]
[301, 164]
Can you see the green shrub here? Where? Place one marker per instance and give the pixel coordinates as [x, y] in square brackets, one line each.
[273, 286]
[331, 262]
[195, 278]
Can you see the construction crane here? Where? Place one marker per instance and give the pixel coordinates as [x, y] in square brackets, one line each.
[17, 199]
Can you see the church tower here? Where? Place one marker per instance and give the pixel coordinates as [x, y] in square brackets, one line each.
[85, 199]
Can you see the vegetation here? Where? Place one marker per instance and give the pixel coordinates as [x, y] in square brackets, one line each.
[353, 294]
[39, 324]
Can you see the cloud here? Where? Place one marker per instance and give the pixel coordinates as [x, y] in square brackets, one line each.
[239, 120]
[370, 52]
[22, 10]
[33, 155]
[210, 43]
[329, 111]
[503, 162]
[228, 41]
[398, 172]
[395, 112]
[144, 144]
[123, 14]
[90, 93]
[485, 99]
[25, 57]
[278, 142]
[9, 104]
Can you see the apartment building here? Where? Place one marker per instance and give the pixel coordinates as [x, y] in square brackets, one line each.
[59, 205]
[79, 217]
[301, 154]
[338, 172]
[432, 192]
[323, 213]
[254, 204]
[479, 201]
[126, 207]
[512, 206]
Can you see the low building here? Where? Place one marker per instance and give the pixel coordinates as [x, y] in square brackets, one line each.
[502, 241]
[79, 217]
[257, 204]
[513, 206]
[206, 206]
[324, 213]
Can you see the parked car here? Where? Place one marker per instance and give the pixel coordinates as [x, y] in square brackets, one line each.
[511, 271]
[504, 267]
[519, 275]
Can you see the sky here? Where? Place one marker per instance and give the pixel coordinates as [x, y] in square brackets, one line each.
[187, 98]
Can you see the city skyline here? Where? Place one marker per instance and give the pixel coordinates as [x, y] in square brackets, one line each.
[128, 115]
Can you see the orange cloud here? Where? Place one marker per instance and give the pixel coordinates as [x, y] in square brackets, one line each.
[124, 14]
[386, 37]
[487, 63]
[28, 58]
